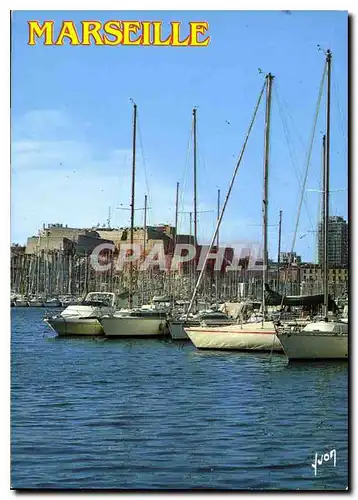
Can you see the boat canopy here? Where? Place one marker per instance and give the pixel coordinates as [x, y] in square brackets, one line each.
[273, 298]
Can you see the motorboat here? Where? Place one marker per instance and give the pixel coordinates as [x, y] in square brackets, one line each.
[317, 340]
[141, 322]
[83, 318]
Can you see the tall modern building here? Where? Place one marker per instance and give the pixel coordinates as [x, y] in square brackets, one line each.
[337, 242]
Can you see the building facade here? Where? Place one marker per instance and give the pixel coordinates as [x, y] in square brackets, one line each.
[337, 242]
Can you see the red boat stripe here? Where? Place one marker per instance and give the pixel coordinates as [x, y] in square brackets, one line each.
[231, 331]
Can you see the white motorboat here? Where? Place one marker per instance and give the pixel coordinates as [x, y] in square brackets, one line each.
[135, 323]
[205, 318]
[317, 340]
[246, 337]
[82, 319]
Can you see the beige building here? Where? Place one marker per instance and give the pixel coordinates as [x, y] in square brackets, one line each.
[54, 237]
[314, 273]
[58, 237]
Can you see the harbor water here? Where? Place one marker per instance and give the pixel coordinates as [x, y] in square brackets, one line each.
[157, 414]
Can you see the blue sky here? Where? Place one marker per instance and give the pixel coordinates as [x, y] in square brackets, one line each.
[72, 124]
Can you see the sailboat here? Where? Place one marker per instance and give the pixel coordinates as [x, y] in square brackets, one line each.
[259, 335]
[178, 324]
[327, 339]
[134, 322]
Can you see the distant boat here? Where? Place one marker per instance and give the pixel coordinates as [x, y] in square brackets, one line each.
[82, 319]
[36, 302]
[21, 301]
[68, 301]
[52, 302]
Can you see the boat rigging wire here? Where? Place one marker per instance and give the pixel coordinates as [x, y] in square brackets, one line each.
[291, 151]
[184, 178]
[143, 161]
[226, 199]
[340, 113]
[309, 154]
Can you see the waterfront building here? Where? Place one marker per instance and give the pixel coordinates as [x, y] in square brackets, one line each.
[286, 257]
[337, 242]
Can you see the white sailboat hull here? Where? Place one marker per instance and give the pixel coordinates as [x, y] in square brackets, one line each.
[318, 343]
[251, 337]
[177, 328]
[127, 326]
[323, 346]
[66, 326]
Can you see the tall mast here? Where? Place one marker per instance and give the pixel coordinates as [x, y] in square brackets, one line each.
[217, 218]
[144, 243]
[279, 251]
[326, 185]
[322, 207]
[217, 251]
[320, 232]
[130, 288]
[191, 262]
[145, 225]
[176, 212]
[269, 79]
[194, 166]
[222, 211]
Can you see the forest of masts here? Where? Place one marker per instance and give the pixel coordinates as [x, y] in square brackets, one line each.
[56, 273]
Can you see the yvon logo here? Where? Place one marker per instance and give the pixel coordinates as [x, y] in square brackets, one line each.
[326, 457]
